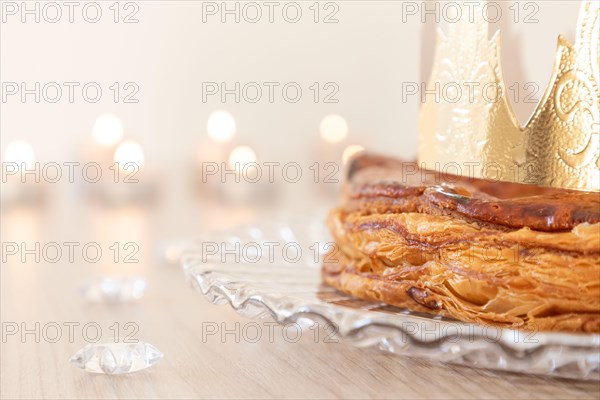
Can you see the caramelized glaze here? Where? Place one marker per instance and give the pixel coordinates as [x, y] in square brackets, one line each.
[423, 240]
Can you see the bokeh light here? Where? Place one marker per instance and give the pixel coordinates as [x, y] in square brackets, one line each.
[351, 151]
[221, 126]
[334, 128]
[108, 130]
[240, 156]
[129, 152]
[20, 152]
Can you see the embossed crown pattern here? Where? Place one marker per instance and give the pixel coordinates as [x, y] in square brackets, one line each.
[560, 144]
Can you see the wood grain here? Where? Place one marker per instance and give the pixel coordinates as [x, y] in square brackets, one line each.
[173, 317]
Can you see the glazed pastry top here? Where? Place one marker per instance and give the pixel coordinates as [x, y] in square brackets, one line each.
[403, 187]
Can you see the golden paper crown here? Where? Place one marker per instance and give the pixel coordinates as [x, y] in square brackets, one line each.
[478, 134]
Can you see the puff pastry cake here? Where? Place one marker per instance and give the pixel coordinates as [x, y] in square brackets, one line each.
[505, 254]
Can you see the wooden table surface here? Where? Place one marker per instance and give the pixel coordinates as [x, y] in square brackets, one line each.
[173, 317]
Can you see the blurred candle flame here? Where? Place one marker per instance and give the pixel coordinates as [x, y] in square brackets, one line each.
[20, 152]
[129, 152]
[108, 130]
[240, 156]
[221, 126]
[333, 128]
[351, 151]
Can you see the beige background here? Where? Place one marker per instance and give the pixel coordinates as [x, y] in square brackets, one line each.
[170, 52]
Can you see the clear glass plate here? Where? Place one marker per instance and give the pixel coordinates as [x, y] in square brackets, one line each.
[273, 271]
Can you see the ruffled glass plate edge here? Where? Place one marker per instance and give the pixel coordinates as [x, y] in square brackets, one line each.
[563, 355]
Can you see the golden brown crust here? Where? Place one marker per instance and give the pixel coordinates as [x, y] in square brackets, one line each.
[529, 259]
[402, 187]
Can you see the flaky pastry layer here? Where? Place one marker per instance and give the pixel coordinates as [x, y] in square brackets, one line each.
[395, 247]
